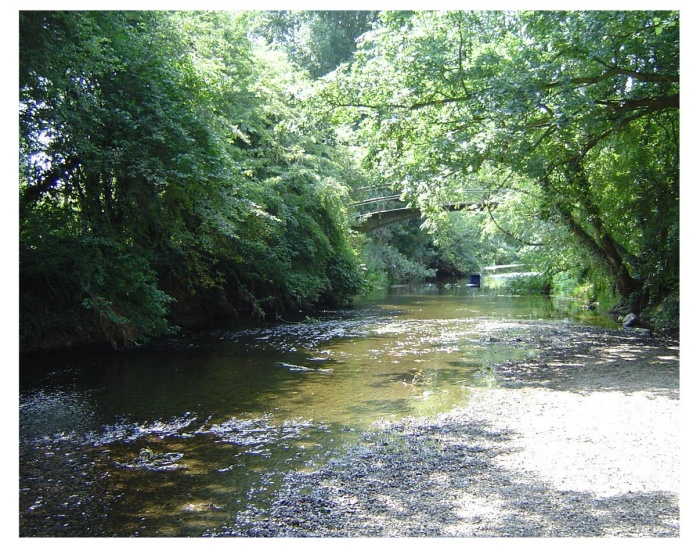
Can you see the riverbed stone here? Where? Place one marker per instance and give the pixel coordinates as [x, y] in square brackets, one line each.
[586, 447]
[630, 320]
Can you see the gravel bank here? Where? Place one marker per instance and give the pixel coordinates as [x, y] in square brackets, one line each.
[580, 440]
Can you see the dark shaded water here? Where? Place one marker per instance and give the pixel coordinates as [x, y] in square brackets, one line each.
[174, 440]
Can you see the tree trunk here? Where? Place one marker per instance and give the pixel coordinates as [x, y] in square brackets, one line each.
[601, 243]
[606, 250]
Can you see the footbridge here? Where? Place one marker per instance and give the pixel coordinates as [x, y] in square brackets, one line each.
[366, 222]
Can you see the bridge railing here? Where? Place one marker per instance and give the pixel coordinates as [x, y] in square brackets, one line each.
[373, 212]
[379, 199]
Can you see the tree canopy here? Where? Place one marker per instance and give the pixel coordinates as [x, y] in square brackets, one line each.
[164, 164]
[573, 114]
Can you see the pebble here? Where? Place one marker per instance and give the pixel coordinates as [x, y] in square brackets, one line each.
[563, 451]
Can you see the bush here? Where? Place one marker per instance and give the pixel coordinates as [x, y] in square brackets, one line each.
[386, 265]
[518, 283]
[88, 290]
[667, 314]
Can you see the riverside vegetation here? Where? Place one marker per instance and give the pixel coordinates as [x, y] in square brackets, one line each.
[184, 169]
[182, 166]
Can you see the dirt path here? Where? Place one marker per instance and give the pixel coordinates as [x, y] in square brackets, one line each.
[582, 439]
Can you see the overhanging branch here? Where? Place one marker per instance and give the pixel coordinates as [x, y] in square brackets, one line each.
[516, 238]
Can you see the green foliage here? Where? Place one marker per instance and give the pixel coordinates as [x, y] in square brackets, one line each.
[122, 290]
[564, 118]
[582, 284]
[520, 284]
[665, 315]
[317, 41]
[388, 266]
[85, 289]
[162, 155]
[172, 158]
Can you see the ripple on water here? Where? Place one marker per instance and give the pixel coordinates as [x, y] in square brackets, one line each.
[244, 390]
[44, 413]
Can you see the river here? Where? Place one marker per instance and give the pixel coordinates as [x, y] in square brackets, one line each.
[173, 440]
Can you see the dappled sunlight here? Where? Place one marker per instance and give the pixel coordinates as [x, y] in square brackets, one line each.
[555, 364]
[545, 462]
[269, 407]
[287, 271]
[611, 361]
[626, 352]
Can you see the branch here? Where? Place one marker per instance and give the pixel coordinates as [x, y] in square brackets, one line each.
[612, 72]
[664, 102]
[459, 54]
[438, 102]
[641, 76]
[413, 106]
[509, 234]
[594, 140]
[50, 180]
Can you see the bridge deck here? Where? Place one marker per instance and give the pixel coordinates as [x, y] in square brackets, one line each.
[377, 219]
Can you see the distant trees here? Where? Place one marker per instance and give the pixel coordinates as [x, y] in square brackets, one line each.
[317, 41]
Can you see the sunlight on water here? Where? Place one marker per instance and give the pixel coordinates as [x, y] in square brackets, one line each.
[172, 441]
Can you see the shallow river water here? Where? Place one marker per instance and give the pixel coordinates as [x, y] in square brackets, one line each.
[174, 440]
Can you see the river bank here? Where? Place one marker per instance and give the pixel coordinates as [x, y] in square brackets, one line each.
[582, 439]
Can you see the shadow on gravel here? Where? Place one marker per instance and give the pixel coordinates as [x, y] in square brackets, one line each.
[441, 477]
[441, 481]
[584, 359]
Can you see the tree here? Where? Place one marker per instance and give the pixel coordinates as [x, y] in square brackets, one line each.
[167, 172]
[317, 41]
[102, 119]
[551, 103]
